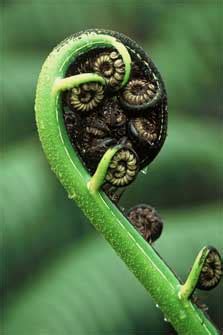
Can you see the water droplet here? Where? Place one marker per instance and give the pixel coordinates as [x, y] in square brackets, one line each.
[145, 170]
[157, 306]
[166, 320]
[72, 196]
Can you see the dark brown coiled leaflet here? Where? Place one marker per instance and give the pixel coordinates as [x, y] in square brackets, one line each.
[141, 94]
[110, 66]
[144, 129]
[123, 168]
[86, 97]
[211, 272]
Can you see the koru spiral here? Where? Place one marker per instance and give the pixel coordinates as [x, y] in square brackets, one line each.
[211, 272]
[129, 109]
[132, 105]
[101, 109]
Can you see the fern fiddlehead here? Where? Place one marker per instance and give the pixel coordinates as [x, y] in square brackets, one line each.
[101, 112]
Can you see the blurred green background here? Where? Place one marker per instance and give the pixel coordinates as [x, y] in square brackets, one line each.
[57, 275]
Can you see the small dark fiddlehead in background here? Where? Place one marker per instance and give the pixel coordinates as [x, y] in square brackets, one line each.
[147, 221]
[211, 271]
[206, 272]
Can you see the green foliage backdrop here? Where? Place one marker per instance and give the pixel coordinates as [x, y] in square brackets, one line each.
[57, 275]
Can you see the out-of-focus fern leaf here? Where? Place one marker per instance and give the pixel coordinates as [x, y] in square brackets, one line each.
[188, 56]
[17, 110]
[51, 22]
[89, 289]
[37, 217]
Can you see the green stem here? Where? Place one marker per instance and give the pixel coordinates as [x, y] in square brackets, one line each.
[63, 84]
[139, 256]
[188, 288]
[99, 176]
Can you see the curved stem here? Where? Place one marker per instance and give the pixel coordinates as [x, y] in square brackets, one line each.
[188, 288]
[139, 256]
[63, 84]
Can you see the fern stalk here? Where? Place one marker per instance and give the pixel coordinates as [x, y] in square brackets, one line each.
[138, 255]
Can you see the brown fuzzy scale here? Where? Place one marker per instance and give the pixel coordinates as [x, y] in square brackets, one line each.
[113, 114]
[146, 220]
[95, 126]
[93, 147]
[85, 66]
[73, 125]
[114, 193]
[211, 272]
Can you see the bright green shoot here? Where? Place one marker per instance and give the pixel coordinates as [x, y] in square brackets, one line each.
[157, 278]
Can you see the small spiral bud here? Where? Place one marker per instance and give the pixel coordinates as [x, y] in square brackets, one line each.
[87, 96]
[144, 129]
[111, 67]
[139, 94]
[211, 272]
[138, 91]
[123, 168]
[146, 220]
